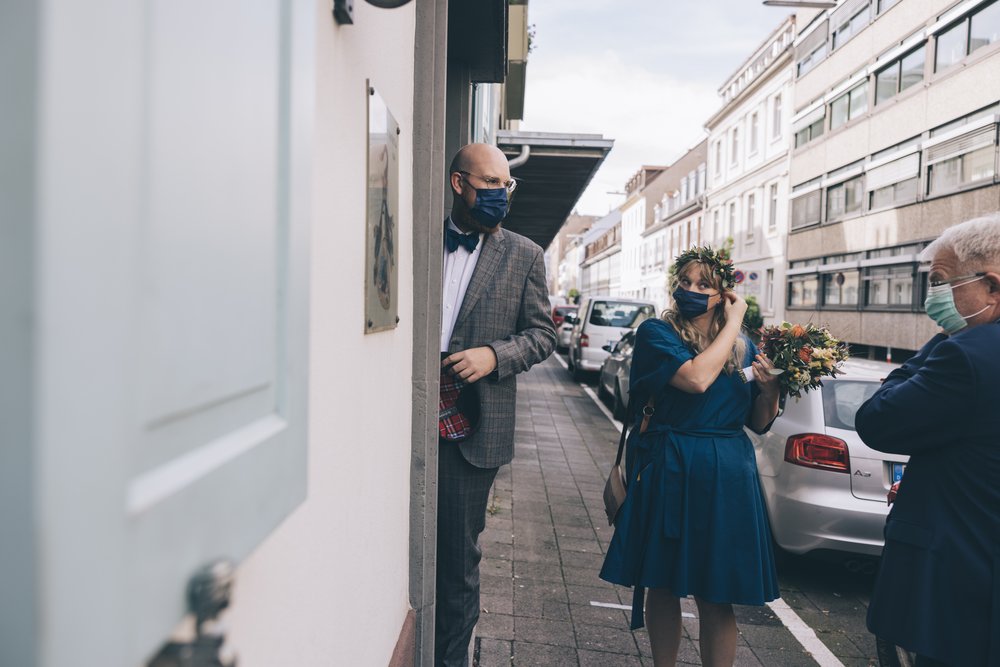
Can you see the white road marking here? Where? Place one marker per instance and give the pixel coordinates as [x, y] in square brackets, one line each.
[625, 607]
[805, 635]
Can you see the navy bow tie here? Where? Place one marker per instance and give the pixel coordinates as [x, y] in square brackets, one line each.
[453, 239]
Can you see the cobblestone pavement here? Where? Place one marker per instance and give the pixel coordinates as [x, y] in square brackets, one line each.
[542, 601]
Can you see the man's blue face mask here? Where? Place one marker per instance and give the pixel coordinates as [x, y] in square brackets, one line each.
[490, 207]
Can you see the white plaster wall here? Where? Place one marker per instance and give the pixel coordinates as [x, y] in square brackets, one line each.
[329, 587]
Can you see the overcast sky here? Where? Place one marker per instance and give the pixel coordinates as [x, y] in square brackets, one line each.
[642, 72]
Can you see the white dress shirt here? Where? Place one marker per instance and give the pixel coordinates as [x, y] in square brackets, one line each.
[458, 269]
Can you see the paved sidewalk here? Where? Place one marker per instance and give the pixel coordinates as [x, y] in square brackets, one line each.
[543, 546]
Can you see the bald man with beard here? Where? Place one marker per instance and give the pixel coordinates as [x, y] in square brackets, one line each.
[495, 324]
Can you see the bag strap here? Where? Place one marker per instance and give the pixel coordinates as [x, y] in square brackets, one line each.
[647, 412]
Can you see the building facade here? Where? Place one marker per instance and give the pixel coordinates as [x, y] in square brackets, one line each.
[677, 221]
[642, 192]
[601, 261]
[896, 110]
[561, 271]
[748, 167]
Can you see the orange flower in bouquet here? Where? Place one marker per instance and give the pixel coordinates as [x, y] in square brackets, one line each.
[804, 354]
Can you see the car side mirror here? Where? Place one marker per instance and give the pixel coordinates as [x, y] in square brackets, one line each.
[607, 347]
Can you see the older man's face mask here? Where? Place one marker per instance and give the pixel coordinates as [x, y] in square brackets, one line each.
[940, 304]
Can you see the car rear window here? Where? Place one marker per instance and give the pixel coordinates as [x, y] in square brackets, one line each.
[612, 314]
[564, 310]
[842, 398]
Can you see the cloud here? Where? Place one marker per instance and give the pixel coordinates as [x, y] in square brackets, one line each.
[654, 117]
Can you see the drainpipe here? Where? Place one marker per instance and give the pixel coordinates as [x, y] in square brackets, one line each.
[520, 159]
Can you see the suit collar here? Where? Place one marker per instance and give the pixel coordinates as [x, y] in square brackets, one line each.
[494, 247]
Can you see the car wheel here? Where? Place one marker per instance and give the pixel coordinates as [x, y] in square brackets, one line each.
[619, 407]
[602, 393]
[890, 655]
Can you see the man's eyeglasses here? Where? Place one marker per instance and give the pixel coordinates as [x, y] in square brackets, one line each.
[948, 281]
[493, 182]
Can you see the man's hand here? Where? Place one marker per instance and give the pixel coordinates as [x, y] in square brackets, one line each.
[472, 365]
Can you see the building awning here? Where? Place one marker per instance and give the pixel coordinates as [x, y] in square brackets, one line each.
[557, 170]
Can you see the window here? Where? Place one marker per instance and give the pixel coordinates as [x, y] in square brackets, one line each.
[732, 219]
[776, 117]
[962, 161]
[751, 215]
[754, 131]
[802, 291]
[962, 170]
[805, 209]
[811, 50]
[899, 75]
[840, 289]
[844, 199]
[734, 147]
[889, 287]
[850, 105]
[884, 5]
[894, 183]
[772, 220]
[810, 128]
[952, 45]
[897, 194]
[968, 35]
[715, 225]
[769, 286]
[985, 28]
[849, 19]
[718, 157]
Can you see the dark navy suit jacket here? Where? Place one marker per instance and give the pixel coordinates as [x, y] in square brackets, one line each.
[938, 586]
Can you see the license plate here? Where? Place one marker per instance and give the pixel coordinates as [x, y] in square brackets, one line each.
[897, 472]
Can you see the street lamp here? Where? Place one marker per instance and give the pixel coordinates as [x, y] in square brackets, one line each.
[817, 4]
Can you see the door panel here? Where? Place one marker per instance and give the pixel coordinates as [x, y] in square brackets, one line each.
[175, 167]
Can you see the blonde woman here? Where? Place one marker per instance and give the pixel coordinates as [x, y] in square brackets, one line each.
[694, 521]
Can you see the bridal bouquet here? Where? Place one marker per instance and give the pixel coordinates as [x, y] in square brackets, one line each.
[803, 355]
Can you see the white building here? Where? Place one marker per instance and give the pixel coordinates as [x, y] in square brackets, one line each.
[896, 111]
[191, 364]
[601, 263]
[643, 191]
[748, 147]
[677, 221]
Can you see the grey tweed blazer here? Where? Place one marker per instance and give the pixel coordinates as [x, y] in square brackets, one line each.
[506, 306]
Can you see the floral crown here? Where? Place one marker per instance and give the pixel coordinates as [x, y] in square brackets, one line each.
[718, 260]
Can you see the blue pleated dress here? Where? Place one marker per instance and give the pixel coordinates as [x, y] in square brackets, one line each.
[694, 519]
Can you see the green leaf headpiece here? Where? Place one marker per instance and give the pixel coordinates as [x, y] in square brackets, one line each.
[718, 260]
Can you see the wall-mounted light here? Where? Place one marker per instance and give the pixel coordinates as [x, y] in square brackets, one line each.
[814, 4]
[343, 10]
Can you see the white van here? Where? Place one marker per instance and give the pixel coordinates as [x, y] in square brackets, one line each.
[601, 320]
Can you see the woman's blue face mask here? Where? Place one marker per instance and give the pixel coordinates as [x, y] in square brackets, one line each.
[690, 304]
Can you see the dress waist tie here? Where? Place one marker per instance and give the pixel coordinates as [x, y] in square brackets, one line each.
[672, 515]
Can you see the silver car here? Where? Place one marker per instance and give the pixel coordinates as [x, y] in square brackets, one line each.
[612, 384]
[823, 487]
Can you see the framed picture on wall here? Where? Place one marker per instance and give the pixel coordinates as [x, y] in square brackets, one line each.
[382, 218]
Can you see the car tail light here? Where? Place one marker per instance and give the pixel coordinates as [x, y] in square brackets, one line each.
[814, 450]
[584, 340]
